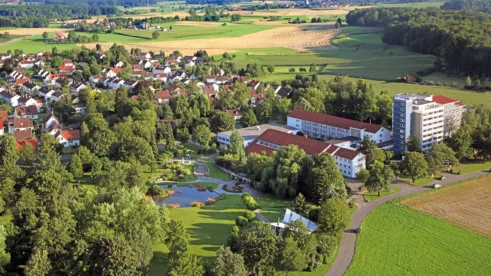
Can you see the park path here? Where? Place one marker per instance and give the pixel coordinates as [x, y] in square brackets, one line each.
[348, 241]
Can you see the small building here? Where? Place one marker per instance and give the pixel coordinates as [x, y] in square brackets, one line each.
[58, 36]
[68, 138]
[251, 133]
[290, 217]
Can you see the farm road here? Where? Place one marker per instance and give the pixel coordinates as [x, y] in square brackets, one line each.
[348, 241]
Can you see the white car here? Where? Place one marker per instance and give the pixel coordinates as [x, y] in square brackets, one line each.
[436, 186]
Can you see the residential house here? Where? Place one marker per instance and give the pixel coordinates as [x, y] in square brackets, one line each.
[68, 138]
[76, 88]
[20, 124]
[59, 82]
[23, 80]
[162, 70]
[30, 87]
[66, 69]
[30, 112]
[283, 92]
[1, 127]
[10, 98]
[95, 79]
[68, 62]
[28, 64]
[254, 84]
[26, 101]
[4, 56]
[130, 84]
[163, 96]
[51, 124]
[114, 83]
[112, 72]
[58, 36]
[79, 108]
[237, 114]
[348, 161]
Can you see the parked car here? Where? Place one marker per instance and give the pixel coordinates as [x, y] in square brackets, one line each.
[357, 230]
[443, 178]
[436, 186]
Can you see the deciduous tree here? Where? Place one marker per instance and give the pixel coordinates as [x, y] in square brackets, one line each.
[415, 166]
[334, 216]
[228, 263]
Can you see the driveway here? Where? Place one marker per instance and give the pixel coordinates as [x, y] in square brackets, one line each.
[348, 241]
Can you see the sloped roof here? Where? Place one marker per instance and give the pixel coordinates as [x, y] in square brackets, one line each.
[163, 94]
[445, 100]
[22, 123]
[71, 135]
[333, 120]
[23, 135]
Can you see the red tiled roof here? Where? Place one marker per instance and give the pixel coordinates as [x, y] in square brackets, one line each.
[234, 112]
[22, 80]
[23, 135]
[256, 148]
[310, 146]
[116, 70]
[346, 153]
[34, 142]
[71, 135]
[445, 100]
[1, 124]
[65, 68]
[163, 94]
[60, 34]
[22, 123]
[333, 120]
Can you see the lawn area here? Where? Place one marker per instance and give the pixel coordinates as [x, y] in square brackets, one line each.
[423, 181]
[208, 228]
[371, 196]
[34, 44]
[472, 167]
[215, 172]
[443, 78]
[191, 146]
[185, 32]
[273, 215]
[396, 240]
[271, 201]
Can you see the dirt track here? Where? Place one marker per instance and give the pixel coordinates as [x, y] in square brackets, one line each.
[36, 31]
[293, 37]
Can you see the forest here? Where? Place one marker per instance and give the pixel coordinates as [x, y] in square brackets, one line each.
[125, 3]
[461, 39]
[39, 16]
[471, 5]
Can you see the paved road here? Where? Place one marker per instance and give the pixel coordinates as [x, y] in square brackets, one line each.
[348, 241]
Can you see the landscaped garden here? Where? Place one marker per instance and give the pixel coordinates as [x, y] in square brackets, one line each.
[371, 196]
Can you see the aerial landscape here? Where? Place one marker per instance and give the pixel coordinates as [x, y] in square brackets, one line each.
[237, 138]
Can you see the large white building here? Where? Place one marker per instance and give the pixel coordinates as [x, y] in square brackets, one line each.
[251, 133]
[349, 161]
[328, 127]
[429, 118]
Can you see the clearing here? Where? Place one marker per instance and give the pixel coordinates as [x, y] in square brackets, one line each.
[467, 204]
[396, 240]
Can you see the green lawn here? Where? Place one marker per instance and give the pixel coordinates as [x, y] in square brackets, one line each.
[208, 228]
[34, 44]
[185, 32]
[215, 172]
[271, 201]
[425, 4]
[423, 181]
[443, 78]
[472, 167]
[191, 146]
[273, 215]
[396, 240]
[371, 196]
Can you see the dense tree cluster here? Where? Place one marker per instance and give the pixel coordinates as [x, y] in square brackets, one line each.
[39, 16]
[461, 39]
[470, 5]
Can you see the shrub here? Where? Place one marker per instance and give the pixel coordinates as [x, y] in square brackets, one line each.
[197, 204]
[237, 189]
[250, 203]
[223, 196]
[172, 206]
[250, 216]
[314, 214]
[210, 201]
[156, 191]
[241, 221]
[245, 194]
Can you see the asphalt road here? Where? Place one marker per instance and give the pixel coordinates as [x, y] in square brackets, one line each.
[348, 241]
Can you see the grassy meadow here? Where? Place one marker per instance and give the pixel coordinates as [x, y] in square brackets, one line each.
[371, 196]
[396, 240]
[426, 4]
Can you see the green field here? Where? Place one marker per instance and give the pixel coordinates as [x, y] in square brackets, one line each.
[215, 172]
[396, 240]
[184, 32]
[371, 196]
[359, 52]
[34, 44]
[427, 4]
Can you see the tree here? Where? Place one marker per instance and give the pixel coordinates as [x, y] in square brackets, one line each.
[380, 178]
[290, 257]
[38, 264]
[155, 35]
[372, 152]
[334, 216]
[99, 137]
[188, 265]
[182, 135]
[4, 256]
[177, 240]
[76, 166]
[324, 180]
[236, 145]
[413, 144]
[362, 175]
[228, 263]
[291, 70]
[258, 246]
[414, 165]
[270, 69]
[202, 135]
[45, 35]
[27, 153]
[337, 25]
[312, 68]
[462, 143]
[248, 118]
[438, 155]
[300, 205]
[221, 121]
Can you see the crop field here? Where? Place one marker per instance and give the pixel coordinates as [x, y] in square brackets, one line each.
[396, 240]
[467, 204]
[34, 44]
[426, 4]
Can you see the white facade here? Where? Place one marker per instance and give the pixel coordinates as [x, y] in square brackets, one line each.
[249, 134]
[427, 123]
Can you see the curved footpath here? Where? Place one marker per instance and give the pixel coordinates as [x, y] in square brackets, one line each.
[348, 241]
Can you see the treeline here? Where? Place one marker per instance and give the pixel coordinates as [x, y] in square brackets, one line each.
[469, 5]
[39, 16]
[213, 2]
[125, 3]
[462, 39]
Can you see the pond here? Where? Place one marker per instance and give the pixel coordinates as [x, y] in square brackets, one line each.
[186, 195]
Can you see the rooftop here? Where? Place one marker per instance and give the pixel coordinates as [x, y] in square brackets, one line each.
[251, 133]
